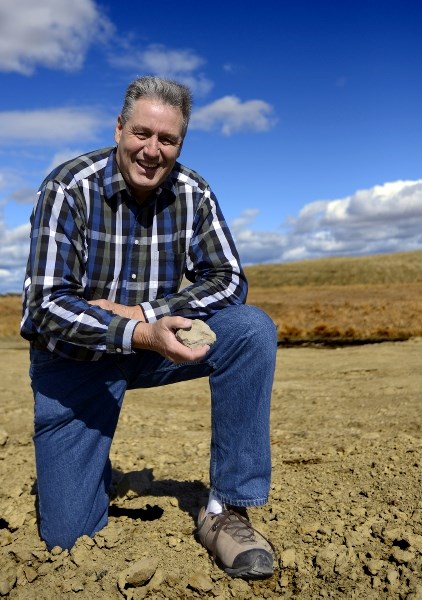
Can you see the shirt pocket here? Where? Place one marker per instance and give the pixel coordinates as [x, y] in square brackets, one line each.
[167, 270]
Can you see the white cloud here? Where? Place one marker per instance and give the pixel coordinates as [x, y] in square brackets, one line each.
[13, 185]
[384, 218]
[14, 250]
[245, 218]
[169, 63]
[376, 208]
[230, 115]
[25, 195]
[179, 64]
[53, 33]
[51, 126]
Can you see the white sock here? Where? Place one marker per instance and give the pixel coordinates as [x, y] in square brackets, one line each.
[214, 506]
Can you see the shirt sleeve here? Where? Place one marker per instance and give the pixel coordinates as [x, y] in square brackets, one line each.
[213, 268]
[56, 271]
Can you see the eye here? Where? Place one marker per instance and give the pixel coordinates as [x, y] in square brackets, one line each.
[166, 141]
[141, 135]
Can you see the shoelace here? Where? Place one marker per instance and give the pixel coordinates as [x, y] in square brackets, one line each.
[239, 528]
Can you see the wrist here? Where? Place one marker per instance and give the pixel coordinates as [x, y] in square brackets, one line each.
[141, 337]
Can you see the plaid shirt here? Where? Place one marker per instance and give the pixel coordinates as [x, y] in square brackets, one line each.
[90, 239]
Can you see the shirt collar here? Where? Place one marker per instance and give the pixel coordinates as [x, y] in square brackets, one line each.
[113, 179]
[169, 184]
[114, 182]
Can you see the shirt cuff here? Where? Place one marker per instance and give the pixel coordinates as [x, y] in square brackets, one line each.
[155, 310]
[119, 335]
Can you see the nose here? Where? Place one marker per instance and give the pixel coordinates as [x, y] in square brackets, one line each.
[151, 148]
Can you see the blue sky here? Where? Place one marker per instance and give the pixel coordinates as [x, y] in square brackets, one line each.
[307, 117]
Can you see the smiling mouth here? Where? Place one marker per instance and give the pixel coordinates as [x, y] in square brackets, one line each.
[147, 166]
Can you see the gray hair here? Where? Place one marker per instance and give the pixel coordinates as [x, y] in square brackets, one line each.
[169, 92]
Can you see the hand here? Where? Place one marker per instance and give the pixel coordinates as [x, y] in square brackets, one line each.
[130, 312]
[160, 337]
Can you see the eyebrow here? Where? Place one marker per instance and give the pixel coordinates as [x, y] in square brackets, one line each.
[148, 131]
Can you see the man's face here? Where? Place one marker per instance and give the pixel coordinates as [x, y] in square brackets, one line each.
[148, 145]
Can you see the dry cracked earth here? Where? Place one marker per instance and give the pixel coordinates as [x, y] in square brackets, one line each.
[345, 512]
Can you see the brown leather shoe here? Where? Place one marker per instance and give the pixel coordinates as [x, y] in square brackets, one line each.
[235, 545]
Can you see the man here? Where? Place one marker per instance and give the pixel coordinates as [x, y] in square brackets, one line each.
[113, 233]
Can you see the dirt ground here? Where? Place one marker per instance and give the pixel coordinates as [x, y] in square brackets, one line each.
[345, 512]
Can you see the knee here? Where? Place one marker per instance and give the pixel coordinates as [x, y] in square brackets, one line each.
[259, 325]
[247, 322]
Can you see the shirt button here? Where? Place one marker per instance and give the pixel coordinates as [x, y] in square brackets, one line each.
[133, 276]
[137, 242]
[118, 350]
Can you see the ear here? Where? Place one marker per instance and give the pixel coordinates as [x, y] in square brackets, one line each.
[180, 149]
[118, 129]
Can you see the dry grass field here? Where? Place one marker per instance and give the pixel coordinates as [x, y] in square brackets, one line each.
[327, 301]
[342, 300]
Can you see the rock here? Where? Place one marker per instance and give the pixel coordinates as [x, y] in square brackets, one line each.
[112, 535]
[200, 334]
[374, 566]
[392, 578]
[8, 578]
[80, 556]
[6, 537]
[355, 538]
[288, 558]
[77, 586]
[45, 569]
[80, 553]
[200, 582]
[344, 560]
[416, 594]
[137, 574]
[14, 517]
[309, 528]
[239, 588]
[391, 535]
[156, 580]
[401, 557]
[326, 558]
[415, 542]
[4, 436]
[30, 573]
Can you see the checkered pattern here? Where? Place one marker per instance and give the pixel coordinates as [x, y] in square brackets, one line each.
[90, 239]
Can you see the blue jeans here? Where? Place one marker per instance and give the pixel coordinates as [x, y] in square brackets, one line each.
[77, 406]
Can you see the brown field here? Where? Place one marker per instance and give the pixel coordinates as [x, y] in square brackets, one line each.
[335, 300]
[343, 314]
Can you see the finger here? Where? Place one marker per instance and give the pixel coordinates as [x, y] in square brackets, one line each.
[177, 322]
[190, 354]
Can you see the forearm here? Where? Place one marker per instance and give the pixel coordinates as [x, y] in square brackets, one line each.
[71, 320]
[129, 312]
[211, 291]
[157, 337]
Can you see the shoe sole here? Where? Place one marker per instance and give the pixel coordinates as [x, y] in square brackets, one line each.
[259, 569]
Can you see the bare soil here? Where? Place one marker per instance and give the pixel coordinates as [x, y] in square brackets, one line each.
[345, 512]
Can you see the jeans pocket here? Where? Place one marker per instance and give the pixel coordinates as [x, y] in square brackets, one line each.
[42, 360]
